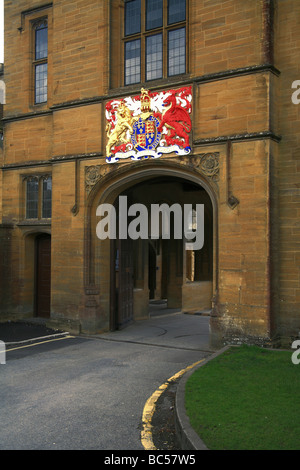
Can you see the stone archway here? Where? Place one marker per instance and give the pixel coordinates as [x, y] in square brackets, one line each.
[97, 253]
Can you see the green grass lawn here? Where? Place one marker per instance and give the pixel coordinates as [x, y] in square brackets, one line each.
[247, 398]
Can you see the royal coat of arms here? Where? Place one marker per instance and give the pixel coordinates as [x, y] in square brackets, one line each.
[149, 125]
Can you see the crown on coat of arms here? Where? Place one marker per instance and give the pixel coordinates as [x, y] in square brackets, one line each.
[145, 101]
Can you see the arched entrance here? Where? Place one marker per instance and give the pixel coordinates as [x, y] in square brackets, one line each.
[160, 268]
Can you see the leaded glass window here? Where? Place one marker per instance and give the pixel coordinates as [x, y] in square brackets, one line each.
[47, 198]
[154, 40]
[41, 40]
[132, 62]
[176, 11]
[132, 17]
[41, 83]
[32, 198]
[154, 14]
[176, 51]
[38, 197]
[41, 61]
[154, 57]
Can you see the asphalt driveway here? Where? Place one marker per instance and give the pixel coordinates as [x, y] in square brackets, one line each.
[89, 392]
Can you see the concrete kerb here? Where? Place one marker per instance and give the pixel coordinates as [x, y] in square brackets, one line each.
[186, 435]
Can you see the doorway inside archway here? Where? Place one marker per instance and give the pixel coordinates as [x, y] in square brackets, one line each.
[153, 275]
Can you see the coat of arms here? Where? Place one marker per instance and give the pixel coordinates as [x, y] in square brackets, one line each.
[148, 125]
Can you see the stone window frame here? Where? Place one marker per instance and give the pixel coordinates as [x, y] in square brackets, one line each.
[28, 18]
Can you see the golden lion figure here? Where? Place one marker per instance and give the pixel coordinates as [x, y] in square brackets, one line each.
[123, 124]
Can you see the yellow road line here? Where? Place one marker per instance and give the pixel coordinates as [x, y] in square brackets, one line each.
[149, 408]
[41, 342]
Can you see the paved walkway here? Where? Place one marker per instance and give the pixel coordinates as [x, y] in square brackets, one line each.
[165, 327]
[168, 329]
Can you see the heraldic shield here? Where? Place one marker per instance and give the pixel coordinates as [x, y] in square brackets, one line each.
[145, 134]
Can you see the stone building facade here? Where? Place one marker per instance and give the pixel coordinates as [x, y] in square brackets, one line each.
[91, 88]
